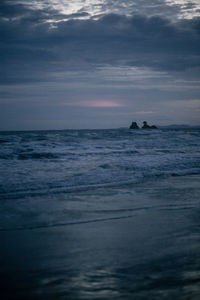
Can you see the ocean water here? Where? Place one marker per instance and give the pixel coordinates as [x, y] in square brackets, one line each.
[100, 214]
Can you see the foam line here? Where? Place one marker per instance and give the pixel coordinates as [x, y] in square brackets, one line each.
[67, 223]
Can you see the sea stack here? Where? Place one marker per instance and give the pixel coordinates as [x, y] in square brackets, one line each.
[134, 125]
[146, 126]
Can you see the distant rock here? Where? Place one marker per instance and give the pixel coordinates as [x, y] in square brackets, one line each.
[134, 125]
[146, 126]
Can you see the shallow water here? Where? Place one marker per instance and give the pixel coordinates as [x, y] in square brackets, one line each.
[108, 214]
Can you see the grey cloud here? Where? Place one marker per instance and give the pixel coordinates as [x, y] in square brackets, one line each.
[31, 50]
[10, 11]
[189, 5]
[154, 7]
[146, 7]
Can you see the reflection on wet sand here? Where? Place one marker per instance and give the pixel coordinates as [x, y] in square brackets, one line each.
[152, 255]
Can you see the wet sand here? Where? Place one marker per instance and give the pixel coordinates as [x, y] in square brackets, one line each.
[147, 247]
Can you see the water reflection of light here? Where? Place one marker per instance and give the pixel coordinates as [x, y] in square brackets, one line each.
[98, 282]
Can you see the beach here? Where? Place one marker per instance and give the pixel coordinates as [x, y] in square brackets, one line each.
[100, 150]
[137, 242]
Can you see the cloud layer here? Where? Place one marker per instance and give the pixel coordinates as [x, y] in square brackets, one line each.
[83, 52]
[32, 48]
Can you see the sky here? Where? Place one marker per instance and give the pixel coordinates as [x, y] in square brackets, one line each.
[98, 63]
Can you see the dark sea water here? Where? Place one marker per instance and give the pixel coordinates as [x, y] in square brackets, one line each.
[100, 214]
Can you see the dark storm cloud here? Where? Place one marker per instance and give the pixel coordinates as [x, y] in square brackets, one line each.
[10, 11]
[33, 49]
[14, 12]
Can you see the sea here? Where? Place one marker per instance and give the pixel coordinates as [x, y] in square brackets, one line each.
[100, 214]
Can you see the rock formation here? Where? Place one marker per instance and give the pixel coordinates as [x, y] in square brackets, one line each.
[146, 126]
[134, 125]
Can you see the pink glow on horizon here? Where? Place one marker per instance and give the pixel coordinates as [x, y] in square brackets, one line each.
[95, 103]
[144, 112]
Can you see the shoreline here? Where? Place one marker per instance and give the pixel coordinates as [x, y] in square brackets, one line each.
[150, 255]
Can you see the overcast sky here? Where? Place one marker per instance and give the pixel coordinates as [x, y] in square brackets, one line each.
[99, 63]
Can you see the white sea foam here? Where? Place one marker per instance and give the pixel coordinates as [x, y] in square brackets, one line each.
[53, 160]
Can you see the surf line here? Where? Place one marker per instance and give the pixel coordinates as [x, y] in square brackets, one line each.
[66, 224]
